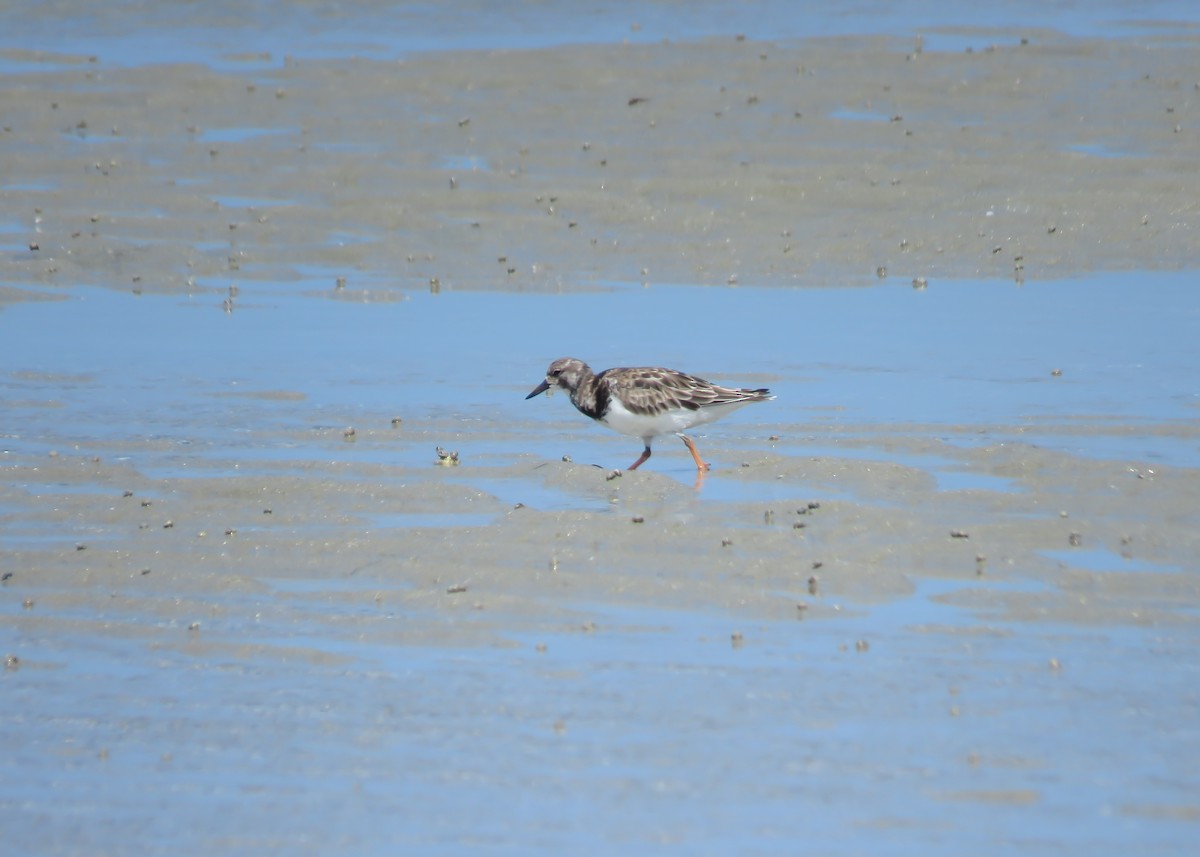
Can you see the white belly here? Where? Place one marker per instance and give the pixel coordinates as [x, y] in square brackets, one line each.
[624, 421]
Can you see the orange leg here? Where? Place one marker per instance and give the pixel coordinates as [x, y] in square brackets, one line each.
[687, 441]
[645, 455]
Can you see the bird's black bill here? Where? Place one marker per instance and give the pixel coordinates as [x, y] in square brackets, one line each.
[539, 389]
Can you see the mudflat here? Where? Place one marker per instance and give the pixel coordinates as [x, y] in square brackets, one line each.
[272, 621]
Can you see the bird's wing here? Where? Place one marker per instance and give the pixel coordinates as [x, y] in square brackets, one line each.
[650, 391]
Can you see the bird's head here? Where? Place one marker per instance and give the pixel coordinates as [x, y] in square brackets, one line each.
[566, 372]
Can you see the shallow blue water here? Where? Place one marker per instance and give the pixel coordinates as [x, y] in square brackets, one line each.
[978, 355]
[246, 35]
[651, 733]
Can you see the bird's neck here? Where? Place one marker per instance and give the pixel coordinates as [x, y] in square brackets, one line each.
[590, 398]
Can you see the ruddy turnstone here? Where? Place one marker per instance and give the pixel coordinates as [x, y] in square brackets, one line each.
[646, 402]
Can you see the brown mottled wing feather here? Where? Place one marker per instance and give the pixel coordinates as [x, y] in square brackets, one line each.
[651, 391]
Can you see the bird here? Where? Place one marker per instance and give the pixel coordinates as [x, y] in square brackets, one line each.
[646, 402]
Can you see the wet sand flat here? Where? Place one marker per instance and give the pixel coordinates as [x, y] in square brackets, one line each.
[941, 597]
[795, 163]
